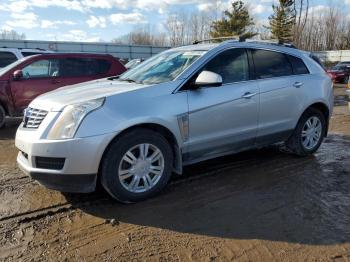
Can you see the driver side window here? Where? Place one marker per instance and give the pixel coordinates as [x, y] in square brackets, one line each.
[41, 69]
[232, 65]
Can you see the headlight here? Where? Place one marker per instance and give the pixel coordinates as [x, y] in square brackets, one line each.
[68, 122]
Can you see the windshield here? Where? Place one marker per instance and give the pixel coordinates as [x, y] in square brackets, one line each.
[131, 63]
[162, 68]
[10, 66]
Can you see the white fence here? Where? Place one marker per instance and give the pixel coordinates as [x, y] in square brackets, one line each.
[117, 50]
[131, 51]
[334, 56]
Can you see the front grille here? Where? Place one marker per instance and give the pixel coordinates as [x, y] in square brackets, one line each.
[49, 162]
[33, 117]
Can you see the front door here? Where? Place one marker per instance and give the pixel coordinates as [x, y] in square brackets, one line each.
[39, 77]
[223, 119]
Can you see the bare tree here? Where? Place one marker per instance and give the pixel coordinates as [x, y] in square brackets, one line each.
[11, 35]
[185, 28]
[143, 36]
[301, 8]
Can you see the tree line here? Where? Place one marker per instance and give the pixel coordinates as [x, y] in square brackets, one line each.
[292, 21]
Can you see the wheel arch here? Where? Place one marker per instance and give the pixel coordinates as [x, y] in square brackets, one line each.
[323, 108]
[168, 135]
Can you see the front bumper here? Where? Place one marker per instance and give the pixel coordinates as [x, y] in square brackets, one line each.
[81, 159]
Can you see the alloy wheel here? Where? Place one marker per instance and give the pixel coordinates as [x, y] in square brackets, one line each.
[141, 168]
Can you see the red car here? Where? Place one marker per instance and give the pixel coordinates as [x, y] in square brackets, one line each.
[340, 72]
[25, 79]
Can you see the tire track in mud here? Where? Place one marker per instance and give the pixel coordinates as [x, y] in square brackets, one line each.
[86, 201]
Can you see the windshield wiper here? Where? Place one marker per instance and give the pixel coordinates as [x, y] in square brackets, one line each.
[113, 77]
[130, 80]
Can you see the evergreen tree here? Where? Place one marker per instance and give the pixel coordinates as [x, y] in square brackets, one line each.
[283, 20]
[234, 23]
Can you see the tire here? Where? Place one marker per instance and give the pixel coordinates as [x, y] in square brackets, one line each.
[2, 116]
[116, 177]
[346, 80]
[297, 143]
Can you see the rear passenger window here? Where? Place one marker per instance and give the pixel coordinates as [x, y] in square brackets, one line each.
[7, 58]
[271, 64]
[298, 65]
[232, 65]
[71, 67]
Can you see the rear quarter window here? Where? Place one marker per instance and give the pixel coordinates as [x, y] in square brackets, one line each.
[299, 68]
[7, 58]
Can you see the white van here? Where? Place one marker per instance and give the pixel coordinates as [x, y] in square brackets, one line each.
[10, 55]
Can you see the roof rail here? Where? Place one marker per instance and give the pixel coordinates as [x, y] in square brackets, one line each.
[244, 39]
[272, 42]
[240, 39]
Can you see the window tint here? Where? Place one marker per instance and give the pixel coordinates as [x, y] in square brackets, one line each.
[232, 65]
[70, 67]
[7, 58]
[41, 68]
[271, 64]
[298, 65]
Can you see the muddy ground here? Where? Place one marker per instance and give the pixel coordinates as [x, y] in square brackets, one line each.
[259, 205]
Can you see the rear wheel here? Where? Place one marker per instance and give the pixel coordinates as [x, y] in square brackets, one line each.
[309, 133]
[137, 166]
[2, 116]
[346, 80]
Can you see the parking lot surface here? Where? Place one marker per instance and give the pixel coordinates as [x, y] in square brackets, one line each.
[259, 205]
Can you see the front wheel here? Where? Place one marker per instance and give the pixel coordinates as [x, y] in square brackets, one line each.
[309, 133]
[137, 166]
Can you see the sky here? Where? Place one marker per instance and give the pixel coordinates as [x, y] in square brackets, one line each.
[104, 20]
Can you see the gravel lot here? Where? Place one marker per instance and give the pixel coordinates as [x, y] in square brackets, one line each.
[259, 205]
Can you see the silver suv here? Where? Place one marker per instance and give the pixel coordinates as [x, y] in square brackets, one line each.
[185, 105]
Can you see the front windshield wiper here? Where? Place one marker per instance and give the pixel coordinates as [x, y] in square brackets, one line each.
[113, 77]
[130, 80]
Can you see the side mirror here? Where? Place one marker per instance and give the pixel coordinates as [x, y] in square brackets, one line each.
[208, 79]
[17, 75]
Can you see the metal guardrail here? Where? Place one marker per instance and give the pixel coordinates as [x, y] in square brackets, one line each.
[117, 50]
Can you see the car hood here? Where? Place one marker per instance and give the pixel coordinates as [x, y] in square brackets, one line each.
[56, 100]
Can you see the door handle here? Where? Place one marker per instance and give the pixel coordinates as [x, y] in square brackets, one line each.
[298, 84]
[249, 95]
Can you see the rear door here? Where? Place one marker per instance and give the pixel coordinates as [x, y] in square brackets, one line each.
[75, 70]
[280, 86]
[223, 119]
[39, 77]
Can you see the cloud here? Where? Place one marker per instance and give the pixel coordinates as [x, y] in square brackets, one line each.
[205, 7]
[45, 24]
[19, 6]
[131, 18]
[259, 9]
[95, 21]
[25, 20]
[78, 35]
